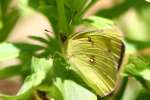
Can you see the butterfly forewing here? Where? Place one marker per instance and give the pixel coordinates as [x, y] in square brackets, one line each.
[95, 56]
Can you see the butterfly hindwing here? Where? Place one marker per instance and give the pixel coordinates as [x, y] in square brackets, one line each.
[95, 56]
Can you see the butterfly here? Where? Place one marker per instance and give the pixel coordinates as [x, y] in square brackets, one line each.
[96, 56]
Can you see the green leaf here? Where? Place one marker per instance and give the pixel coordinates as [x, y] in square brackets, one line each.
[51, 90]
[50, 46]
[24, 8]
[10, 71]
[138, 68]
[130, 48]
[8, 51]
[8, 22]
[73, 91]
[25, 96]
[120, 8]
[40, 39]
[40, 68]
[64, 85]
[131, 91]
[147, 0]
[98, 22]
[135, 25]
[28, 48]
[143, 95]
[75, 4]
[138, 44]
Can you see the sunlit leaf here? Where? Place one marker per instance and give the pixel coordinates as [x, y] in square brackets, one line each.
[138, 68]
[73, 91]
[8, 51]
[25, 96]
[99, 22]
[40, 68]
[51, 90]
[130, 48]
[147, 0]
[131, 91]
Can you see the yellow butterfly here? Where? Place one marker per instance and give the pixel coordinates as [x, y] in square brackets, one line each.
[96, 56]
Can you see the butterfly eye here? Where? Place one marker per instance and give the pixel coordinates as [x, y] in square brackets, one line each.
[63, 37]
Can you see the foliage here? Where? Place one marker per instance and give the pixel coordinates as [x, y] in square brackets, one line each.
[46, 75]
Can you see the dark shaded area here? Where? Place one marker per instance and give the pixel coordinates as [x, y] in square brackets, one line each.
[122, 89]
[143, 95]
[119, 9]
[42, 95]
[8, 19]
[139, 44]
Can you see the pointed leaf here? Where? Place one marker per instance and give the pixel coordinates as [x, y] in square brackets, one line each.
[138, 68]
[40, 68]
[99, 22]
[73, 91]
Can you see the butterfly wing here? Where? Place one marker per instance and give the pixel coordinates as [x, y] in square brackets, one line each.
[95, 56]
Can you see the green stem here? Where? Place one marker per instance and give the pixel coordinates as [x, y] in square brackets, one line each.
[62, 22]
[1, 23]
[63, 26]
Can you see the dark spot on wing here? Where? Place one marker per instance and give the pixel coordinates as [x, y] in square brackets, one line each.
[92, 59]
[89, 39]
[109, 50]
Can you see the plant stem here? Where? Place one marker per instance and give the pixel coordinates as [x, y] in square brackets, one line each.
[62, 23]
[63, 26]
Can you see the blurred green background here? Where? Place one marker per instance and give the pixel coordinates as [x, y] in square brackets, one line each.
[20, 19]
